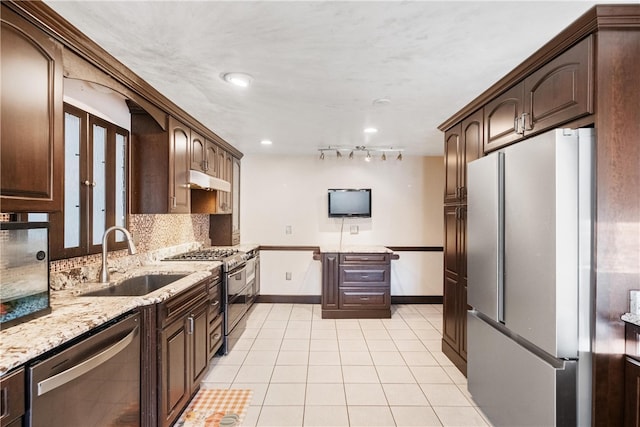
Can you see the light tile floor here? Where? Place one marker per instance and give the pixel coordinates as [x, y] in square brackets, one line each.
[309, 371]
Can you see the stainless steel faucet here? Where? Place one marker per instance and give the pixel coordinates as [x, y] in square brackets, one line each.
[104, 270]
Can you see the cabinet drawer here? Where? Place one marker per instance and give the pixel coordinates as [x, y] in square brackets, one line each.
[12, 397]
[371, 258]
[215, 335]
[215, 300]
[364, 298]
[180, 304]
[369, 275]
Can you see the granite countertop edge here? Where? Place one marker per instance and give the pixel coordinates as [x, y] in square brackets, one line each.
[634, 319]
[72, 314]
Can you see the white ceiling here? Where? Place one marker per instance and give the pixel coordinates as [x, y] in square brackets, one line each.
[318, 65]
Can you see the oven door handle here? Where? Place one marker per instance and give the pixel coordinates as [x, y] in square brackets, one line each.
[235, 273]
[71, 374]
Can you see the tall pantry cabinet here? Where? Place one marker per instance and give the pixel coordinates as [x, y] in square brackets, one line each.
[463, 142]
[587, 76]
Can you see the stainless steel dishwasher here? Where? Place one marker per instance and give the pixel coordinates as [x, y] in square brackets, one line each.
[95, 382]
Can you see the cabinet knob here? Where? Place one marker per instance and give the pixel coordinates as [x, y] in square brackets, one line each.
[89, 183]
[217, 336]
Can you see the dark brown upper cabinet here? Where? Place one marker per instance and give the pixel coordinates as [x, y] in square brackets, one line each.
[160, 163]
[31, 109]
[462, 145]
[558, 92]
[204, 155]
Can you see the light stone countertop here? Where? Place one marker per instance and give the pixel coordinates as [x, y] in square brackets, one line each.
[72, 315]
[354, 249]
[631, 318]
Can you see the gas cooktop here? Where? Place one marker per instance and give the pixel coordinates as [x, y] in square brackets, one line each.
[229, 257]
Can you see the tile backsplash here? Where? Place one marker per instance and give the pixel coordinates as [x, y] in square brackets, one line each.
[155, 236]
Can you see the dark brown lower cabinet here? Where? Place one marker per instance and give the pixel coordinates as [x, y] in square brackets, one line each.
[356, 285]
[12, 398]
[184, 350]
[632, 392]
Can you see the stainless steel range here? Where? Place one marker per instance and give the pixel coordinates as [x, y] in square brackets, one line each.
[239, 286]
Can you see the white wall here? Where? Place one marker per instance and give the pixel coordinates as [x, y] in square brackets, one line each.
[279, 191]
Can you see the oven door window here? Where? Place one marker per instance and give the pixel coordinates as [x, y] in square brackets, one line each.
[236, 283]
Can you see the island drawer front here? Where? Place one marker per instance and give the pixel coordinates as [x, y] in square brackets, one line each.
[370, 275]
[364, 298]
[369, 258]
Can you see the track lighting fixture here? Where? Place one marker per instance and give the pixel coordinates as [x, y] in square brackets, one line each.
[353, 150]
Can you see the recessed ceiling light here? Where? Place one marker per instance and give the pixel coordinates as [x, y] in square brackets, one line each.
[266, 142]
[370, 130]
[237, 79]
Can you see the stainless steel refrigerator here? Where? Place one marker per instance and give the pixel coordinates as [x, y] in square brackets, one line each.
[529, 246]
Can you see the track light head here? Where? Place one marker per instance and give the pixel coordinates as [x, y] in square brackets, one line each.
[368, 158]
[338, 154]
[384, 156]
[399, 156]
[322, 155]
[351, 155]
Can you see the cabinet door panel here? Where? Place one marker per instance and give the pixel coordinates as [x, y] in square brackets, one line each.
[198, 152]
[330, 281]
[451, 164]
[451, 241]
[180, 201]
[200, 345]
[32, 123]
[174, 392]
[211, 158]
[500, 117]
[450, 312]
[561, 90]
[472, 136]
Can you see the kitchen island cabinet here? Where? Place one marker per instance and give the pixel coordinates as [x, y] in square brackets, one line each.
[32, 119]
[356, 284]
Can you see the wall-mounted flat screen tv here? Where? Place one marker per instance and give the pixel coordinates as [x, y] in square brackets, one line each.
[349, 202]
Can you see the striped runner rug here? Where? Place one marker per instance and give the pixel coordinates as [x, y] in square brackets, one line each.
[209, 406]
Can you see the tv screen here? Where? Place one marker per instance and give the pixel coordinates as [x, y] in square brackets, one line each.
[350, 203]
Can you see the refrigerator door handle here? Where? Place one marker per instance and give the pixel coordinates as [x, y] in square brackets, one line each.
[500, 243]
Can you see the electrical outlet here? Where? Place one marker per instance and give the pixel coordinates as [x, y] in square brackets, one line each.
[354, 229]
[287, 229]
[287, 275]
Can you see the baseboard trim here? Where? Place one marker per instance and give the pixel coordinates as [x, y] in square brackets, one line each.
[316, 299]
[416, 299]
[295, 299]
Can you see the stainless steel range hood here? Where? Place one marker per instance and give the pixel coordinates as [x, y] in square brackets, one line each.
[203, 181]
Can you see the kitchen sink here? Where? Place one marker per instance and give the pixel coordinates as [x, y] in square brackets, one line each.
[136, 286]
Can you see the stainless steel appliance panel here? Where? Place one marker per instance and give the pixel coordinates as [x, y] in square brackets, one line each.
[95, 382]
[485, 239]
[541, 241]
[517, 387]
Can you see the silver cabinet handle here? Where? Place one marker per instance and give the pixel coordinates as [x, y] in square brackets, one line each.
[217, 336]
[71, 374]
[216, 302]
[89, 183]
[174, 202]
[191, 324]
